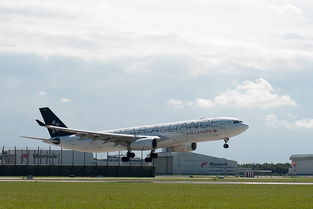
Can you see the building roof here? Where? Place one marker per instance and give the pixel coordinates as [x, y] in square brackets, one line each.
[192, 154]
[301, 157]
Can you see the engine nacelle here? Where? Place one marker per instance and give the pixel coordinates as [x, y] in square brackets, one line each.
[144, 144]
[56, 141]
[188, 147]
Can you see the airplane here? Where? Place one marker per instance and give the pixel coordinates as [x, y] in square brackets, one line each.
[175, 137]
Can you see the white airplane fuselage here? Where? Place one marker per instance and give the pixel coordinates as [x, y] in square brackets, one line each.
[170, 134]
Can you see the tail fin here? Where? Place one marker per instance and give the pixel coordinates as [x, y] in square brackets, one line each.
[51, 119]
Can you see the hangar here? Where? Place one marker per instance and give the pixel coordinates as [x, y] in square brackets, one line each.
[45, 157]
[301, 164]
[39, 162]
[189, 163]
[168, 163]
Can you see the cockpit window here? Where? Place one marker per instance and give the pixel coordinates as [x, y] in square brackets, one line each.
[237, 121]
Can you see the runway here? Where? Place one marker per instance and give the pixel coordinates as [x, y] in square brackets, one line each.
[84, 180]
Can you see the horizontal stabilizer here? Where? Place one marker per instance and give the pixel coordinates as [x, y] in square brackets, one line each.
[55, 141]
[40, 123]
[37, 138]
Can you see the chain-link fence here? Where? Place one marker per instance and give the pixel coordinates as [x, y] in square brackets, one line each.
[48, 156]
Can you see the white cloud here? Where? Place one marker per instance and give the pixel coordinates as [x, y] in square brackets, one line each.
[204, 103]
[273, 121]
[251, 94]
[287, 8]
[175, 103]
[304, 123]
[42, 93]
[65, 100]
[218, 35]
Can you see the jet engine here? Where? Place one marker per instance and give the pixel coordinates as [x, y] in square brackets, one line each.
[56, 141]
[144, 144]
[183, 147]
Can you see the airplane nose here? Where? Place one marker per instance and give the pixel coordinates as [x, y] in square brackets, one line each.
[244, 127]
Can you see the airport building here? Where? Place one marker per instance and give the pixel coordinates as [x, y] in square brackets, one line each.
[301, 164]
[46, 157]
[63, 157]
[189, 163]
[39, 162]
[167, 163]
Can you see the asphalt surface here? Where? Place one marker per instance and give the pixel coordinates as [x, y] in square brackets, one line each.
[83, 180]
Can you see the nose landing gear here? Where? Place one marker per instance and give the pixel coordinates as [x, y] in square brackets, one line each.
[226, 145]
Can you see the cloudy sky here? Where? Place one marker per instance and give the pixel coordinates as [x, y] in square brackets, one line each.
[109, 64]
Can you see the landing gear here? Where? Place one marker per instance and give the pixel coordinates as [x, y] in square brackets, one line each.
[226, 145]
[154, 155]
[125, 159]
[128, 156]
[151, 155]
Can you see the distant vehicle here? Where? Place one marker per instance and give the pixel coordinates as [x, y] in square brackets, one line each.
[177, 137]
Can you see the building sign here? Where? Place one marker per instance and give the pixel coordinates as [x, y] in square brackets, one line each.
[218, 164]
[213, 164]
[44, 156]
[203, 164]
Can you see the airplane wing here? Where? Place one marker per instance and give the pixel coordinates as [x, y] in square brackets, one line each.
[119, 139]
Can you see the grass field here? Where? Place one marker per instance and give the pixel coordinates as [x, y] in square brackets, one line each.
[149, 195]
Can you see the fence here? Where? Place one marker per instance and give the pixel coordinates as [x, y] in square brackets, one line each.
[40, 156]
[51, 162]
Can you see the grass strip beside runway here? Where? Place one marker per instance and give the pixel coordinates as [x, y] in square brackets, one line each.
[148, 195]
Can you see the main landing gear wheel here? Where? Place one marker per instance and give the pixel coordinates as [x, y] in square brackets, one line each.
[151, 156]
[226, 145]
[154, 155]
[125, 159]
[130, 154]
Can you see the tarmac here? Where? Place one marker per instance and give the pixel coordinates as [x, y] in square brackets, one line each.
[113, 180]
